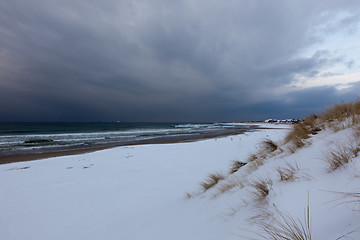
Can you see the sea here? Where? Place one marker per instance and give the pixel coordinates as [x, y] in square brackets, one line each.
[34, 138]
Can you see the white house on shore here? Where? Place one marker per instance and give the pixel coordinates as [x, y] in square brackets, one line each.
[270, 120]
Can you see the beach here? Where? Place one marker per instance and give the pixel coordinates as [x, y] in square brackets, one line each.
[179, 120]
[129, 192]
[156, 191]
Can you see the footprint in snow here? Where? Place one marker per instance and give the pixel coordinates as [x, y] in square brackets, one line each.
[88, 166]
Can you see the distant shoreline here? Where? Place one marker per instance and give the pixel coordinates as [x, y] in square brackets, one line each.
[162, 140]
[25, 139]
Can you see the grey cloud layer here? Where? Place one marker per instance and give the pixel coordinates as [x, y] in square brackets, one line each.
[161, 60]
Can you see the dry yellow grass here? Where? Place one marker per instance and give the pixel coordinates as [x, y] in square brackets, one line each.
[338, 157]
[226, 187]
[302, 131]
[356, 129]
[212, 180]
[236, 165]
[269, 146]
[288, 173]
[254, 162]
[355, 147]
[254, 165]
[261, 188]
[341, 111]
[252, 157]
[287, 228]
[337, 117]
[341, 116]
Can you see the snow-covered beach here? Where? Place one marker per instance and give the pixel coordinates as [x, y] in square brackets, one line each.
[142, 191]
[179, 120]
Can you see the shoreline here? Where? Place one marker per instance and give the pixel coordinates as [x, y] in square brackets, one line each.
[164, 140]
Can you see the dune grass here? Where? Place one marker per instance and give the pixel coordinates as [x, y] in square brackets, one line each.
[226, 187]
[355, 147]
[302, 131]
[287, 228]
[337, 117]
[284, 226]
[252, 157]
[339, 156]
[212, 180]
[255, 160]
[341, 112]
[261, 189]
[348, 198]
[236, 165]
[356, 130]
[288, 173]
[254, 164]
[269, 146]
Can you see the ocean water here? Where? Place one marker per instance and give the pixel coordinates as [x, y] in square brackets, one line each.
[29, 138]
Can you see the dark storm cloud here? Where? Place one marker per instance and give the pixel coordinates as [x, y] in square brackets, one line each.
[162, 60]
[302, 103]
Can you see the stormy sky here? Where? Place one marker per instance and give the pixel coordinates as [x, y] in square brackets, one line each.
[181, 60]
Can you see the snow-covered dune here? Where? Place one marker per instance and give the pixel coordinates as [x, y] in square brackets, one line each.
[154, 191]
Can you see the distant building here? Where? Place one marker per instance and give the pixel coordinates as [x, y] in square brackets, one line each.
[270, 120]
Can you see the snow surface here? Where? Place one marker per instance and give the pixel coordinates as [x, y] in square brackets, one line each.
[139, 192]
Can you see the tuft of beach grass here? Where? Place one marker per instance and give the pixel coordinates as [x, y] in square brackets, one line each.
[212, 180]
